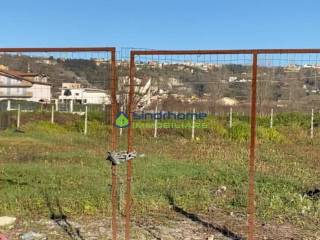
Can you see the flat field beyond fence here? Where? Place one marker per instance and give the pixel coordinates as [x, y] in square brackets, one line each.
[46, 168]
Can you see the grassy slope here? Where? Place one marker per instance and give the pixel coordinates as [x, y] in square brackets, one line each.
[52, 166]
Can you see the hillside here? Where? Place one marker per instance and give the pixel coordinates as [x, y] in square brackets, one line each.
[224, 80]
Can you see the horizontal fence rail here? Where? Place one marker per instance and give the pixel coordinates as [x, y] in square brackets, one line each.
[261, 66]
[187, 115]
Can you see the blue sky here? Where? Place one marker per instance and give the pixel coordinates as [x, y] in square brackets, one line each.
[165, 24]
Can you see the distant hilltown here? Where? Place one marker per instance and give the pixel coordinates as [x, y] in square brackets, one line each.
[85, 81]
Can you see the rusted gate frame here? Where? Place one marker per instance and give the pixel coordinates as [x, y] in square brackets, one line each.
[111, 50]
[252, 147]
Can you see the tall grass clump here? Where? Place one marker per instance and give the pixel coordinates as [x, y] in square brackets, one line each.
[270, 134]
[292, 119]
[240, 131]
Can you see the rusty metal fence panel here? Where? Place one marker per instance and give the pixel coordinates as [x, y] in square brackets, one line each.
[190, 98]
[65, 86]
[252, 94]
[287, 161]
[226, 138]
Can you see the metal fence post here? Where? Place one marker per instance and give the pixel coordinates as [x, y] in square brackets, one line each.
[114, 109]
[86, 121]
[52, 114]
[130, 148]
[271, 118]
[9, 105]
[71, 106]
[121, 129]
[251, 192]
[155, 123]
[57, 104]
[193, 122]
[18, 116]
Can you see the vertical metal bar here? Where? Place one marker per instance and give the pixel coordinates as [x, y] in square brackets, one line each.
[130, 148]
[251, 192]
[114, 143]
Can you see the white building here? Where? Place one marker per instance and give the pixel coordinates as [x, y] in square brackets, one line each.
[74, 92]
[24, 86]
[47, 61]
[233, 79]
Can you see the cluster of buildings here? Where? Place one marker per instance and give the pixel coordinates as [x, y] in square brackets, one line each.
[147, 94]
[297, 67]
[185, 65]
[237, 80]
[17, 85]
[76, 93]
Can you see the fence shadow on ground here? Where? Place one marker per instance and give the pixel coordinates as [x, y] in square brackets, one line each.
[62, 220]
[195, 218]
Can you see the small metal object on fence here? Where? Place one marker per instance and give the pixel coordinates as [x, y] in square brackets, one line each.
[119, 157]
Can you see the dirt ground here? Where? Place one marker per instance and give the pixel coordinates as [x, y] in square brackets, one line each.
[181, 226]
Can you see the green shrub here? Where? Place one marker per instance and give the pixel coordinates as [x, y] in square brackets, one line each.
[292, 119]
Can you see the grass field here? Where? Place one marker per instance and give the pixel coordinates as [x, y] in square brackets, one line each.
[52, 167]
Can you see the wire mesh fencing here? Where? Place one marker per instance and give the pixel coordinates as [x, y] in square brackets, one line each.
[50, 98]
[240, 99]
[287, 135]
[57, 81]
[190, 114]
[224, 138]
